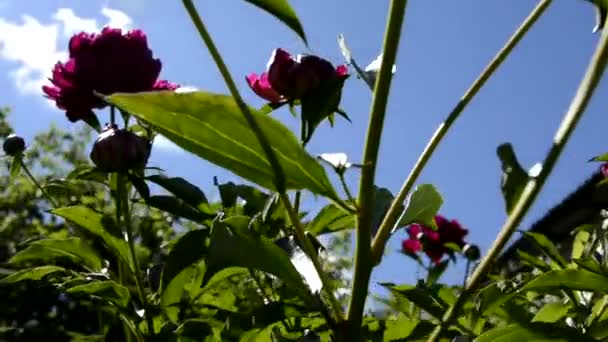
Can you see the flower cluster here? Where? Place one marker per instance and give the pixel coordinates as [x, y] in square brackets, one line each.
[105, 63]
[288, 78]
[435, 243]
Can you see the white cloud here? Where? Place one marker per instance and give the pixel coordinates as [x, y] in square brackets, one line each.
[33, 48]
[116, 18]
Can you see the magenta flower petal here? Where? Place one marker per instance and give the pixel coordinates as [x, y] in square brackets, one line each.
[411, 246]
[341, 70]
[261, 86]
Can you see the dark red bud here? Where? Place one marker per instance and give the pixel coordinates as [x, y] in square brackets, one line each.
[119, 150]
[13, 145]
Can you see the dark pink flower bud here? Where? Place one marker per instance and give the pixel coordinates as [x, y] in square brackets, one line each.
[13, 145]
[164, 85]
[604, 169]
[293, 78]
[119, 150]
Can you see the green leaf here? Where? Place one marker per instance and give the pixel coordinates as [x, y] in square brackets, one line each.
[230, 247]
[383, 198]
[600, 158]
[399, 329]
[533, 261]
[174, 289]
[48, 250]
[182, 189]
[420, 296]
[222, 275]
[177, 207]
[195, 329]
[568, 279]
[537, 332]
[490, 298]
[94, 223]
[212, 127]
[15, 169]
[552, 312]
[188, 250]
[106, 290]
[424, 203]
[36, 273]
[514, 177]
[331, 219]
[322, 103]
[578, 246]
[547, 247]
[281, 10]
[436, 272]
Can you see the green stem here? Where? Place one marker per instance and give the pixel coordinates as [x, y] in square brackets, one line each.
[394, 211]
[579, 103]
[363, 264]
[33, 179]
[310, 252]
[123, 209]
[349, 195]
[279, 176]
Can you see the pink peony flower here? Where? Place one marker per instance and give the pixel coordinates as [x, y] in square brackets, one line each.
[432, 242]
[107, 62]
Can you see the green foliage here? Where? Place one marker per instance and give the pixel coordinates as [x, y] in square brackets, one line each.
[212, 127]
[423, 205]
[282, 11]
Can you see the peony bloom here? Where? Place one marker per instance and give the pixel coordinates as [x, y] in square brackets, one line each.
[433, 243]
[105, 63]
[289, 78]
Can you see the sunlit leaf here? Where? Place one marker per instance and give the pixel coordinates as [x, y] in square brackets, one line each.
[552, 312]
[230, 247]
[106, 290]
[331, 219]
[514, 177]
[423, 205]
[213, 127]
[188, 250]
[547, 247]
[281, 10]
[582, 280]
[94, 223]
[49, 250]
[36, 273]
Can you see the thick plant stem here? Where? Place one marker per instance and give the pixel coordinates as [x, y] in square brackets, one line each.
[577, 107]
[394, 212]
[219, 61]
[123, 209]
[310, 252]
[363, 262]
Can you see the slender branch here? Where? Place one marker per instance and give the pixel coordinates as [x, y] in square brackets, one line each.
[310, 252]
[33, 179]
[349, 195]
[123, 208]
[579, 103]
[394, 211]
[363, 264]
[279, 176]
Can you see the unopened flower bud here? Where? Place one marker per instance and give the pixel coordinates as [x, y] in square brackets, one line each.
[13, 145]
[119, 150]
[471, 252]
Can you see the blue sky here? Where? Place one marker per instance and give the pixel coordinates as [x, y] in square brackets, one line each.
[443, 49]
